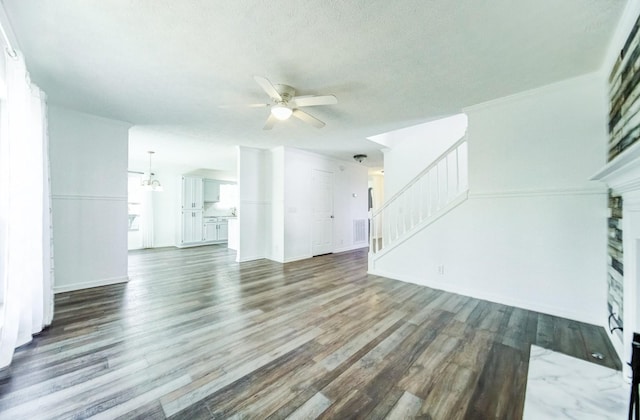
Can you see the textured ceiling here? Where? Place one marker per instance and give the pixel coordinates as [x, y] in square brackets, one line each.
[170, 64]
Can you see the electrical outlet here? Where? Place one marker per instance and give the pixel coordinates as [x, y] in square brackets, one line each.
[441, 270]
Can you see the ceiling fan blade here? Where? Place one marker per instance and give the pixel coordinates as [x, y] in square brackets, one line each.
[244, 106]
[270, 122]
[309, 119]
[268, 87]
[313, 100]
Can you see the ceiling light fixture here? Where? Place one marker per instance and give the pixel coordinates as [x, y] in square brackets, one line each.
[151, 184]
[281, 111]
[360, 158]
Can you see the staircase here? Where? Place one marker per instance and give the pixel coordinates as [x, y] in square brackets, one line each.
[434, 192]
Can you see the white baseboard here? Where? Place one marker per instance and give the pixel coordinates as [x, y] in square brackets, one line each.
[307, 256]
[251, 258]
[89, 284]
[298, 258]
[591, 318]
[192, 245]
[351, 248]
[288, 260]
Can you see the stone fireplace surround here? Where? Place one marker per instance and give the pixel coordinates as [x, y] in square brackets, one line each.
[622, 175]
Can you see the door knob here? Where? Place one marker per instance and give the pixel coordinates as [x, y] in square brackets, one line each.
[332, 216]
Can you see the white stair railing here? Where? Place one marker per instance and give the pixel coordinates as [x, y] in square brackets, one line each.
[423, 199]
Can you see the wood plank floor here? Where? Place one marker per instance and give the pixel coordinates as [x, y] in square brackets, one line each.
[196, 335]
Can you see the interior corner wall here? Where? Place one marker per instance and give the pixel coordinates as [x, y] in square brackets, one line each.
[254, 210]
[293, 218]
[88, 157]
[531, 233]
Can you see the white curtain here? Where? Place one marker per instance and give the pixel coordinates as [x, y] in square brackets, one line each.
[26, 212]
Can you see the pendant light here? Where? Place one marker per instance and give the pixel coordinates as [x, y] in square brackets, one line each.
[151, 184]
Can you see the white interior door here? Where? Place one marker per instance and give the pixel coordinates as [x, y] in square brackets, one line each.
[322, 212]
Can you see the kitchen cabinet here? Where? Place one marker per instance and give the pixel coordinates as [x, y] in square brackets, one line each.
[214, 192]
[223, 231]
[199, 196]
[211, 191]
[191, 227]
[210, 232]
[216, 231]
[192, 191]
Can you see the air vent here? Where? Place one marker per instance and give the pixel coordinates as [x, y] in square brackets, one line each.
[360, 230]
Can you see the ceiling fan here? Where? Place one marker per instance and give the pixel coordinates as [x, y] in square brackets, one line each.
[285, 104]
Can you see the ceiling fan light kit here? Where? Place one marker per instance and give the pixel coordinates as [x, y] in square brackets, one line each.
[285, 104]
[281, 112]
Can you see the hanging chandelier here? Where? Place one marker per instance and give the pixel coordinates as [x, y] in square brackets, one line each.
[151, 184]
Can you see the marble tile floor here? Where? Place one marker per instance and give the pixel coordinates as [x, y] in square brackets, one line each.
[563, 387]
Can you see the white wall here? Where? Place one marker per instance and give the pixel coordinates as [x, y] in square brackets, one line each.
[254, 210]
[415, 148]
[297, 203]
[531, 233]
[292, 193]
[277, 209]
[89, 189]
[553, 137]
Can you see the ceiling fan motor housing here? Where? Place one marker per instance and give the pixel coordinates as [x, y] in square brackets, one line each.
[286, 92]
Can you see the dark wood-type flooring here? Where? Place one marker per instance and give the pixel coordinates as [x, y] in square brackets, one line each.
[196, 335]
